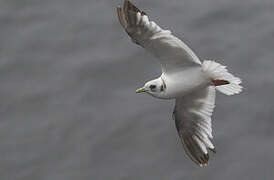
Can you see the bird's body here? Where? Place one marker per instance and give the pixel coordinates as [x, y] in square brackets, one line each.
[184, 77]
[190, 79]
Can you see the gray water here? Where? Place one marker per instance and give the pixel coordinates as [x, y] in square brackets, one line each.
[68, 108]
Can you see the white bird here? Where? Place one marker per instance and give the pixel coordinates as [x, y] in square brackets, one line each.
[183, 78]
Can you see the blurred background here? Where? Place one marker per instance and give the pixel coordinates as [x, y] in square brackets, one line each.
[68, 75]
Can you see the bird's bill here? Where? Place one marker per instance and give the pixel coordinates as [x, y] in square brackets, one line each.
[140, 90]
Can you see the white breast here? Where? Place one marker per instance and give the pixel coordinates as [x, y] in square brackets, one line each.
[187, 80]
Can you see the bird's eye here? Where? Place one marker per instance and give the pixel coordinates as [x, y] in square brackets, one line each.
[152, 86]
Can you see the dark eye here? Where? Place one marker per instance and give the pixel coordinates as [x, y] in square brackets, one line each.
[152, 86]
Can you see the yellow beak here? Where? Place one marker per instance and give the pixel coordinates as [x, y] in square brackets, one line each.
[140, 90]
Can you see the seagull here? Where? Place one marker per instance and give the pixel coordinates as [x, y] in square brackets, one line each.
[184, 77]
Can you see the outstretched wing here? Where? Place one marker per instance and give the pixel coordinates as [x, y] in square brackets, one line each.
[171, 51]
[192, 116]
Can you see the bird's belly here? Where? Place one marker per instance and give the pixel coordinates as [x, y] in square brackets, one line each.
[184, 82]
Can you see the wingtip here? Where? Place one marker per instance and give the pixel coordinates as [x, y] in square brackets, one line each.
[127, 2]
[129, 6]
[126, 5]
[213, 150]
[203, 162]
[204, 165]
[121, 16]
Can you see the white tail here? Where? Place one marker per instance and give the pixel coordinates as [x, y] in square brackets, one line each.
[217, 71]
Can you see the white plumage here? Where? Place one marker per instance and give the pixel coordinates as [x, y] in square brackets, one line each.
[183, 78]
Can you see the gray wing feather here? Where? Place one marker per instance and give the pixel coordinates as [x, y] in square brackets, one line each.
[192, 116]
[171, 51]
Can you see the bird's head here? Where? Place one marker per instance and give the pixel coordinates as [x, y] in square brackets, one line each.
[155, 87]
